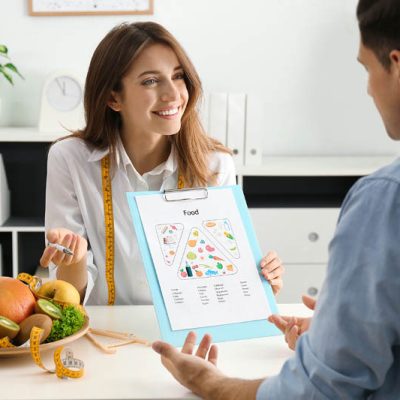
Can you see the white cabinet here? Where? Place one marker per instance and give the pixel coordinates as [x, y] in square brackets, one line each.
[301, 279]
[301, 237]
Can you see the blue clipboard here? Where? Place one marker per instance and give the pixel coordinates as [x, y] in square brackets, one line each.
[220, 333]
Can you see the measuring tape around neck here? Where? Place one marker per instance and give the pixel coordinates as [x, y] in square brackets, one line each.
[109, 227]
[109, 224]
[181, 182]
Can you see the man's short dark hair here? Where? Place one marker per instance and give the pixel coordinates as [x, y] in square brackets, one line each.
[379, 22]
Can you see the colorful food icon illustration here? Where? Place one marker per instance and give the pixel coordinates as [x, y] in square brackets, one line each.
[203, 259]
[221, 230]
[169, 236]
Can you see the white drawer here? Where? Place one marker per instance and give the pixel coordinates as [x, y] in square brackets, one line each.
[301, 279]
[299, 235]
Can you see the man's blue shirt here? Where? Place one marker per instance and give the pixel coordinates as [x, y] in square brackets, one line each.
[352, 350]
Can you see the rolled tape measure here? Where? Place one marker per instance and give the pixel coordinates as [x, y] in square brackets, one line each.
[67, 367]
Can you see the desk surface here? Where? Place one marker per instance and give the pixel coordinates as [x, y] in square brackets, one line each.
[134, 371]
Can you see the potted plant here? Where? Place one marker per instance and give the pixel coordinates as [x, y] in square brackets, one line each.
[7, 69]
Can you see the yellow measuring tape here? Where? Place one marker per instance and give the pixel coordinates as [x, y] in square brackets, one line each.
[109, 224]
[181, 182]
[5, 343]
[109, 227]
[33, 282]
[67, 367]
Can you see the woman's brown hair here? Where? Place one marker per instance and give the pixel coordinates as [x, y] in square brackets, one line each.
[110, 62]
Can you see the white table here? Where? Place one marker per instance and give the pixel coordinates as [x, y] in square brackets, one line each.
[134, 371]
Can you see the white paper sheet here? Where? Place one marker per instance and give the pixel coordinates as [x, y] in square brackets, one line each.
[205, 267]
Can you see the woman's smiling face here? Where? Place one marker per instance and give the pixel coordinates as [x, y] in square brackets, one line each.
[154, 93]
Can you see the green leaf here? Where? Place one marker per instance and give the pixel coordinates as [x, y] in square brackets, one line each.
[13, 68]
[6, 74]
[3, 49]
[6, 68]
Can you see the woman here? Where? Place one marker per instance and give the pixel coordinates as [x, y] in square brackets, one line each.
[143, 131]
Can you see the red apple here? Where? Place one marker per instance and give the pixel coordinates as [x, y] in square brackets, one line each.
[16, 299]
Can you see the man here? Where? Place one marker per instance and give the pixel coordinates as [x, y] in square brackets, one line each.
[352, 348]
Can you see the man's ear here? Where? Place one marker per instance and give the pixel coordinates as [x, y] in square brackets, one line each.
[395, 59]
[114, 101]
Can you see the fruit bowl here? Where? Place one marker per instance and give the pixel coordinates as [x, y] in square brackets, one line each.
[16, 351]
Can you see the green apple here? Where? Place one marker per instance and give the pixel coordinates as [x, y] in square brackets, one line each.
[60, 291]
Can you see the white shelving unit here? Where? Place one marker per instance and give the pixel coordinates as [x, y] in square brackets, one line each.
[16, 226]
[17, 232]
[300, 234]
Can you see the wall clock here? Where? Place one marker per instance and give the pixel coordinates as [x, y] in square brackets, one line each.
[61, 105]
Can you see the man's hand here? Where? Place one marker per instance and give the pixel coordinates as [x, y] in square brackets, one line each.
[199, 372]
[272, 270]
[293, 327]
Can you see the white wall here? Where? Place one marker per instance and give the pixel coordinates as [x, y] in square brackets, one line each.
[298, 57]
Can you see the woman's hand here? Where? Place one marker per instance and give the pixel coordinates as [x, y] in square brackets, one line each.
[74, 242]
[272, 270]
[71, 268]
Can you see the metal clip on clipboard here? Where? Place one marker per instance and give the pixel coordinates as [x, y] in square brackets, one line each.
[200, 193]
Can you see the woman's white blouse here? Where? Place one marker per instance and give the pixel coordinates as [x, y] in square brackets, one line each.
[74, 201]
